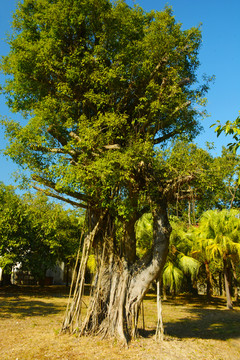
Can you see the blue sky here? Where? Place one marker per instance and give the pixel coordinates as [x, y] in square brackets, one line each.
[219, 56]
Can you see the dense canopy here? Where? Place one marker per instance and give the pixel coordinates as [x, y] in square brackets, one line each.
[100, 84]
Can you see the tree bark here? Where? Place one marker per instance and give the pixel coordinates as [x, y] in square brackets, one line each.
[119, 286]
[226, 282]
[141, 280]
[209, 281]
[220, 283]
[235, 280]
[164, 290]
[160, 329]
[129, 250]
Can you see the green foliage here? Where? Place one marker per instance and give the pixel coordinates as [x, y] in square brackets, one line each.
[100, 84]
[35, 233]
[230, 128]
[197, 180]
[91, 264]
[180, 263]
[144, 234]
[13, 223]
[172, 277]
[217, 243]
[200, 181]
[227, 166]
[219, 233]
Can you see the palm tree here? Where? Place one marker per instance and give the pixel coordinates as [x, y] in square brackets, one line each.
[180, 264]
[218, 233]
[199, 252]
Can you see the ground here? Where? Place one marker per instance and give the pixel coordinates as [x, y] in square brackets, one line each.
[30, 320]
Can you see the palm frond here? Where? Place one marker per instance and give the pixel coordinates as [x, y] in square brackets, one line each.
[189, 265]
[172, 277]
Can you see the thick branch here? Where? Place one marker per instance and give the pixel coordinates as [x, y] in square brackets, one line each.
[75, 136]
[180, 107]
[107, 147]
[49, 193]
[111, 147]
[175, 131]
[158, 66]
[185, 81]
[143, 278]
[52, 185]
[53, 150]
[165, 136]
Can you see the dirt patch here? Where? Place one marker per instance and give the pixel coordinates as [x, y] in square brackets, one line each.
[31, 317]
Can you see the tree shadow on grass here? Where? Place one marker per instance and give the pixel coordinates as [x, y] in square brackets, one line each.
[22, 308]
[23, 302]
[38, 291]
[198, 317]
[206, 324]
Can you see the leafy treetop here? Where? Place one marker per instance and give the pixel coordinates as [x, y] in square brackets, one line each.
[100, 85]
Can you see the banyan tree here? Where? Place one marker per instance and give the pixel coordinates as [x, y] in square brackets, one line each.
[102, 87]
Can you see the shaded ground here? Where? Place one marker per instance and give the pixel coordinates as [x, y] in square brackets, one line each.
[30, 319]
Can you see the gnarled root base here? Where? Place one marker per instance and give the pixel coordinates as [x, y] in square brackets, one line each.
[118, 290]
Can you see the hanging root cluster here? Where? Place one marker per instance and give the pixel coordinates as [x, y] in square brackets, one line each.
[117, 289]
[106, 311]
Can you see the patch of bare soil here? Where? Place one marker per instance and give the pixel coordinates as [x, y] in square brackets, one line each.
[31, 317]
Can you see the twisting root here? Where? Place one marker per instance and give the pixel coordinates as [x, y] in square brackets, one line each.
[71, 320]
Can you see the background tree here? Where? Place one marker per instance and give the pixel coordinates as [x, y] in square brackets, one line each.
[144, 234]
[230, 128]
[35, 233]
[53, 235]
[219, 233]
[13, 223]
[227, 165]
[101, 85]
[181, 268]
[205, 181]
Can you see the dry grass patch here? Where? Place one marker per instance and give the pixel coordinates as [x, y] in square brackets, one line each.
[30, 319]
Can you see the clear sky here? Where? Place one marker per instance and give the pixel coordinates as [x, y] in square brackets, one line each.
[219, 56]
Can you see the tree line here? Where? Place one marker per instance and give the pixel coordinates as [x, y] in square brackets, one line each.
[35, 233]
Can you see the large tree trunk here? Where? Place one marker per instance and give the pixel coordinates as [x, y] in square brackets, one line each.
[120, 285]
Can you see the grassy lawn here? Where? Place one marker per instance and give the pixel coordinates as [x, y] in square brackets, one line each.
[30, 319]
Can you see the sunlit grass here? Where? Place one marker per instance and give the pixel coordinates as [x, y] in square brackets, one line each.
[30, 320]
